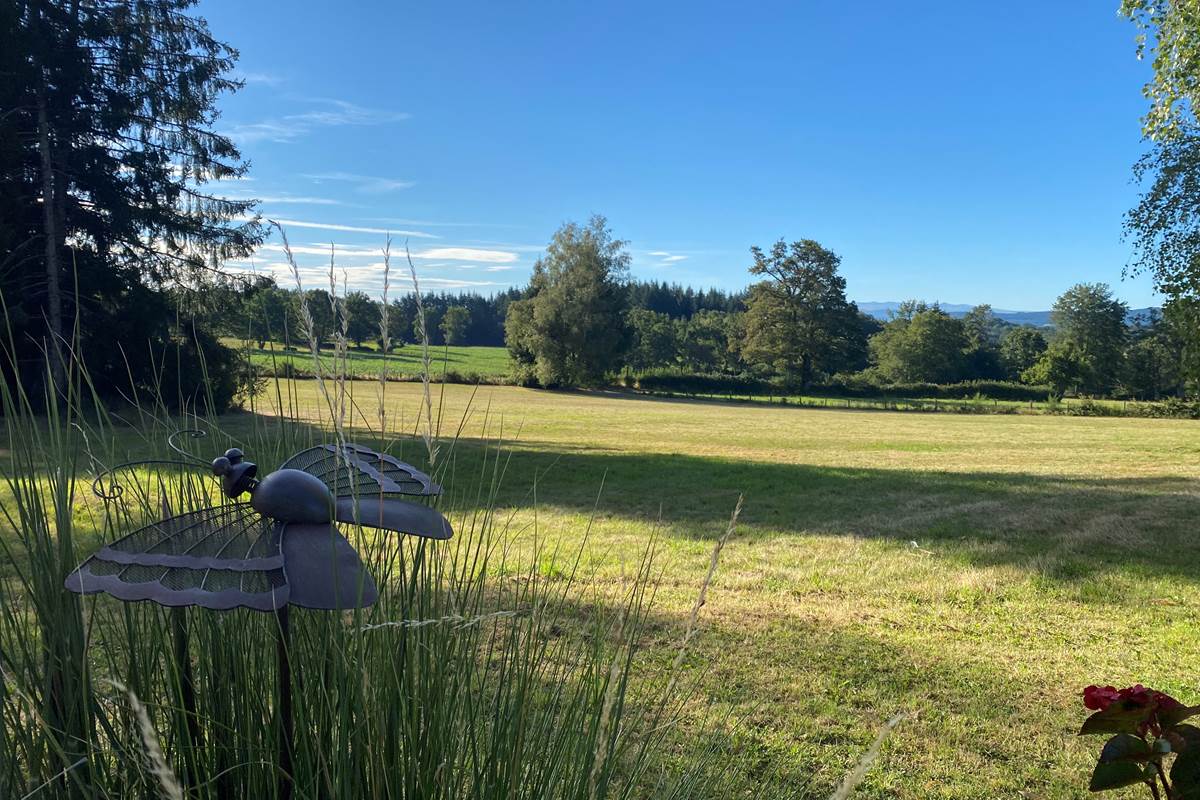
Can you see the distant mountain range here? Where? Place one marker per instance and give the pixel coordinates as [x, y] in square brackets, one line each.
[1039, 318]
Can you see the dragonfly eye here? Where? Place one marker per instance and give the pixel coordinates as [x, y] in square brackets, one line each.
[221, 465]
[234, 455]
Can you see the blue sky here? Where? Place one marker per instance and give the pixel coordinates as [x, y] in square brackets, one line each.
[960, 152]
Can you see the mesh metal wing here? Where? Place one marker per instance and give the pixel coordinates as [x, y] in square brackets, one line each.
[223, 557]
[352, 469]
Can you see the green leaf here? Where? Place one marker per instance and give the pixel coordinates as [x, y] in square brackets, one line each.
[1185, 774]
[1116, 775]
[1124, 747]
[1120, 717]
[1172, 718]
[1118, 765]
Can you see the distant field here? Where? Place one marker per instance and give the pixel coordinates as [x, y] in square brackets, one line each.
[972, 571]
[486, 362]
[982, 405]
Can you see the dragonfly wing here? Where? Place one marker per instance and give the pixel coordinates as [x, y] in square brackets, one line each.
[394, 514]
[323, 571]
[353, 469]
[219, 558]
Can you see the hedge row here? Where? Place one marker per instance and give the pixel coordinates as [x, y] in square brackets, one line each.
[749, 385]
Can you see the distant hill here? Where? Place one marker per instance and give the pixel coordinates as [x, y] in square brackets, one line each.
[884, 310]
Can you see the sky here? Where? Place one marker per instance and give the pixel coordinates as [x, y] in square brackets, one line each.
[947, 151]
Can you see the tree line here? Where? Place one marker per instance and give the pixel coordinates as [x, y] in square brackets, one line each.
[580, 321]
[113, 233]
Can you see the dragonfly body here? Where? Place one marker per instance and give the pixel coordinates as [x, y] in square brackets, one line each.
[282, 547]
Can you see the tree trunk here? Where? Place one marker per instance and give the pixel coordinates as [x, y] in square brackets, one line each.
[53, 267]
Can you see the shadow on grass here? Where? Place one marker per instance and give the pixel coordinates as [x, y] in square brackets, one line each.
[1089, 525]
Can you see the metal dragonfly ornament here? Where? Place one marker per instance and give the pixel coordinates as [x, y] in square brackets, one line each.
[282, 548]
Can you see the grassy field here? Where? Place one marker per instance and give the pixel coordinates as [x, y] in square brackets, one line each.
[485, 362]
[981, 405]
[973, 572]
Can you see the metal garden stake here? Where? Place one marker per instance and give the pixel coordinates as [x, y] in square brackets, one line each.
[280, 549]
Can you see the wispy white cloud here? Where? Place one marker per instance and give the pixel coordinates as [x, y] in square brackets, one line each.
[289, 127]
[263, 78]
[329, 226]
[468, 254]
[663, 258]
[424, 223]
[288, 199]
[369, 184]
[361, 277]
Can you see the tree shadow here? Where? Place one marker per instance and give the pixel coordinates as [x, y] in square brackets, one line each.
[1086, 526]
[1090, 525]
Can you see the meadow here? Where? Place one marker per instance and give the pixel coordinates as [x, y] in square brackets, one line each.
[966, 574]
[403, 362]
[970, 572]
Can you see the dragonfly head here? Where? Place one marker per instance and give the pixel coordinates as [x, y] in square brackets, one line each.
[236, 474]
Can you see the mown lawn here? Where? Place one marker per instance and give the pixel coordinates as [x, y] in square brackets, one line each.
[974, 572]
[484, 362]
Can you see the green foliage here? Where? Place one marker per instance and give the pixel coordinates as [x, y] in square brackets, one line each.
[1020, 349]
[1062, 367]
[922, 344]
[712, 342]
[856, 386]
[1149, 727]
[316, 319]
[571, 329]
[984, 331]
[1152, 361]
[454, 325]
[1169, 34]
[798, 321]
[269, 316]
[655, 339]
[362, 317]
[1165, 224]
[107, 173]
[1089, 320]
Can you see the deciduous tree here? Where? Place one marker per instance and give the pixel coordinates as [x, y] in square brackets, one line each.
[571, 330]
[362, 317]
[454, 325]
[1020, 349]
[1092, 321]
[921, 344]
[798, 319]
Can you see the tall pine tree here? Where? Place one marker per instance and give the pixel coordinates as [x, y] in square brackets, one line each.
[107, 167]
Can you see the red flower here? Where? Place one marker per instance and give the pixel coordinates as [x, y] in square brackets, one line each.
[1098, 698]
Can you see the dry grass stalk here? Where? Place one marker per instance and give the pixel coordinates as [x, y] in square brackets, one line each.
[451, 620]
[385, 339]
[855, 776]
[427, 433]
[610, 701]
[690, 631]
[168, 784]
[307, 326]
